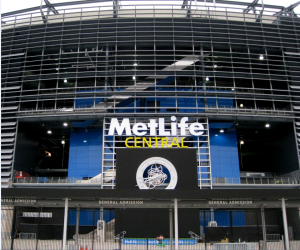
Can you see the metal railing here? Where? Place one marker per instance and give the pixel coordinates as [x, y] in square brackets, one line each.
[56, 180]
[215, 181]
[126, 9]
[256, 181]
[234, 246]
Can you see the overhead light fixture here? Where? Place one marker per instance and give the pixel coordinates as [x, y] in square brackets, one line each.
[65, 81]
[56, 68]
[232, 89]
[216, 135]
[65, 124]
[222, 131]
[49, 132]
[133, 77]
[84, 141]
[267, 125]
[62, 142]
[184, 62]
[135, 64]
[241, 105]
[16, 54]
[242, 142]
[207, 78]
[261, 57]
[215, 66]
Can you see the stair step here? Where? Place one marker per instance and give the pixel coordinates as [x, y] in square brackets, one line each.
[6, 157]
[7, 134]
[9, 108]
[6, 162]
[4, 124]
[6, 151]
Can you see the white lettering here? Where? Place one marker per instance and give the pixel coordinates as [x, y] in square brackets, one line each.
[183, 125]
[173, 126]
[196, 126]
[139, 129]
[152, 125]
[161, 128]
[114, 125]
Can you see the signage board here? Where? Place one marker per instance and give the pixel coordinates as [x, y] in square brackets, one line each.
[143, 241]
[141, 129]
[156, 133]
[157, 169]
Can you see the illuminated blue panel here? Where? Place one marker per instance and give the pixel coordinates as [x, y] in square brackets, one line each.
[85, 155]
[224, 154]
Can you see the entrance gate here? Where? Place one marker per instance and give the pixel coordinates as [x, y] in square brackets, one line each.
[30, 228]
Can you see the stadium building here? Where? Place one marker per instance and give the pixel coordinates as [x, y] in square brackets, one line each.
[125, 120]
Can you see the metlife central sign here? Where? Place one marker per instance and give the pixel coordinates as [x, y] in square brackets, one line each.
[140, 129]
[155, 133]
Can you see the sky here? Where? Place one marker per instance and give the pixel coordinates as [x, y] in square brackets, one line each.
[12, 5]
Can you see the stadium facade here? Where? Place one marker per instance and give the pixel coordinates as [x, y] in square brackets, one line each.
[178, 118]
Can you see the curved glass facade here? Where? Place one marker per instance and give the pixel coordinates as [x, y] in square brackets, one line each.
[102, 100]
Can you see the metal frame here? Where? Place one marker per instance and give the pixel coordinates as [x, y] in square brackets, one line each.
[50, 7]
[289, 10]
[100, 1]
[80, 62]
[72, 92]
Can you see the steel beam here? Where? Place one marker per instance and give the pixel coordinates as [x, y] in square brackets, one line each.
[116, 8]
[51, 7]
[251, 7]
[289, 10]
[184, 4]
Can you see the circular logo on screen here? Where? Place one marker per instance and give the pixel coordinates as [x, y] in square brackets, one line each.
[156, 173]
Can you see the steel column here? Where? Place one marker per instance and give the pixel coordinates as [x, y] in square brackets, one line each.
[263, 222]
[65, 224]
[285, 225]
[176, 223]
[171, 227]
[77, 224]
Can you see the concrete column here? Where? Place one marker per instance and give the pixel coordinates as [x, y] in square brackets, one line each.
[77, 224]
[171, 227]
[65, 224]
[176, 223]
[285, 225]
[263, 223]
